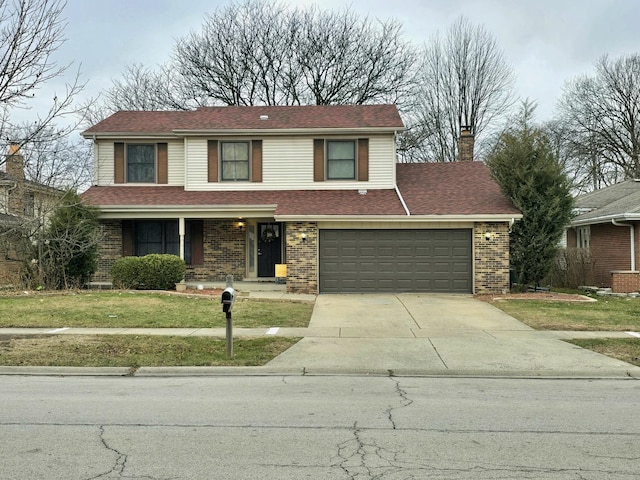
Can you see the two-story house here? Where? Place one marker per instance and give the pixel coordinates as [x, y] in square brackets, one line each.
[239, 190]
[25, 206]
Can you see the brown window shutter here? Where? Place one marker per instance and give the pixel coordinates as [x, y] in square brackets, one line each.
[118, 162]
[256, 160]
[127, 238]
[318, 160]
[163, 163]
[363, 159]
[197, 242]
[212, 161]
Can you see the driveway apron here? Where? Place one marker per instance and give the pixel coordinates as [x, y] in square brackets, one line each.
[433, 334]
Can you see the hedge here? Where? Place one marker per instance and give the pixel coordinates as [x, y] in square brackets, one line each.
[151, 272]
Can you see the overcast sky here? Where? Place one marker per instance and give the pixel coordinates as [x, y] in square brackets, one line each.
[546, 41]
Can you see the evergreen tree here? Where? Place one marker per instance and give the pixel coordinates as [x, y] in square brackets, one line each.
[68, 251]
[523, 162]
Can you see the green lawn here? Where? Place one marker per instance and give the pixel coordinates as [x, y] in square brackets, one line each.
[138, 309]
[136, 351]
[608, 313]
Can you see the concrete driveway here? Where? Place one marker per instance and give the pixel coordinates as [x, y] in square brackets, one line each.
[430, 334]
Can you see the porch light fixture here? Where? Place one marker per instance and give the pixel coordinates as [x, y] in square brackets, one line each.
[241, 225]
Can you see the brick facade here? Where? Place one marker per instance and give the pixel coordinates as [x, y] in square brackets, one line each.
[224, 251]
[610, 249]
[302, 257]
[491, 257]
[625, 282]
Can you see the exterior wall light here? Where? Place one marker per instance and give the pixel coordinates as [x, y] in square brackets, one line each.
[303, 236]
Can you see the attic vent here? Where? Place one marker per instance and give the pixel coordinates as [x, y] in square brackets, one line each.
[264, 117]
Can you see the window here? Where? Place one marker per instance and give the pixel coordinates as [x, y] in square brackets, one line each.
[29, 204]
[235, 161]
[141, 163]
[583, 237]
[341, 160]
[162, 236]
[157, 237]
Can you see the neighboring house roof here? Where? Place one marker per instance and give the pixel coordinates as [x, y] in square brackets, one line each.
[250, 119]
[619, 202]
[31, 185]
[428, 189]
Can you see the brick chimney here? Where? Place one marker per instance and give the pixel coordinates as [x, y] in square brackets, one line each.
[465, 144]
[15, 169]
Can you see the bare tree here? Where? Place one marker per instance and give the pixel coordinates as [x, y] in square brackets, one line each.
[30, 32]
[601, 114]
[259, 52]
[464, 80]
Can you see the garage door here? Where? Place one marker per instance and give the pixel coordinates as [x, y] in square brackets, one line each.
[364, 261]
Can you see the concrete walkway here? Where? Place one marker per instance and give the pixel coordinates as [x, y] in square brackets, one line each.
[404, 334]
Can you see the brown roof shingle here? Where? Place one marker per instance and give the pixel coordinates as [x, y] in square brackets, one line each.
[456, 188]
[427, 188]
[249, 118]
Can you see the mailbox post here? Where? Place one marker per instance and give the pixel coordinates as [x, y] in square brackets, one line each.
[228, 299]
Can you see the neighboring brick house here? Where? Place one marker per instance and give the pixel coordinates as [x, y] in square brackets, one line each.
[24, 207]
[239, 190]
[606, 225]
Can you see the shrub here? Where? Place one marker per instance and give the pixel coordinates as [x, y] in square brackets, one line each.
[151, 272]
[125, 273]
[572, 267]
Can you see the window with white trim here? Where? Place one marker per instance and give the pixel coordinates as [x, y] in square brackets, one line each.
[341, 160]
[583, 237]
[234, 158]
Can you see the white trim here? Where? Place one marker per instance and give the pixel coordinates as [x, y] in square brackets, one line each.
[397, 218]
[404, 205]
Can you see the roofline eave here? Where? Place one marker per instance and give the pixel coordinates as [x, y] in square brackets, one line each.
[402, 218]
[620, 217]
[178, 133]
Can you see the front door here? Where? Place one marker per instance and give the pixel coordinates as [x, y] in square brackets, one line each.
[269, 248]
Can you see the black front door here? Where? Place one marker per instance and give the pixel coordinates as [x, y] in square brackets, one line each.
[269, 248]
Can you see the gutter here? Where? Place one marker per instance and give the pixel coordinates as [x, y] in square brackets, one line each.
[632, 233]
[404, 205]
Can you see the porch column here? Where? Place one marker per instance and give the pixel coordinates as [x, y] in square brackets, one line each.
[181, 233]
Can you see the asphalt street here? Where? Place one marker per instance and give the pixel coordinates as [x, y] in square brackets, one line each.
[329, 427]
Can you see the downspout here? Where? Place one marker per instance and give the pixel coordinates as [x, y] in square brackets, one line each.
[632, 231]
[406, 209]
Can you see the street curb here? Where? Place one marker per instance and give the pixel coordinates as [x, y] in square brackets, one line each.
[146, 372]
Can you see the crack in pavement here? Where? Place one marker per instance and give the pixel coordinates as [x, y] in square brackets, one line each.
[405, 401]
[120, 462]
[365, 460]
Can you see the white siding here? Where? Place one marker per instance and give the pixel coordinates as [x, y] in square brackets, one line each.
[104, 168]
[287, 164]
[176, 162]
[104, 163]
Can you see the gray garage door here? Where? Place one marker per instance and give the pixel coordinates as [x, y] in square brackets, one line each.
[364, 261]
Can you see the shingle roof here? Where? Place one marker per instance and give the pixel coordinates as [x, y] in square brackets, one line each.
[251, 118]
[620, 201]
[427, 188]
[456, 188]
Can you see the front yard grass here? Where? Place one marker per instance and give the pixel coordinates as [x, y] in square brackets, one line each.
[137, 351]
[125, 309]
[607, 314]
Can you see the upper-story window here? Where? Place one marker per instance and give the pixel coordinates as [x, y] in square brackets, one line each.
[341, 160]
[141, 163]
[235, 161]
